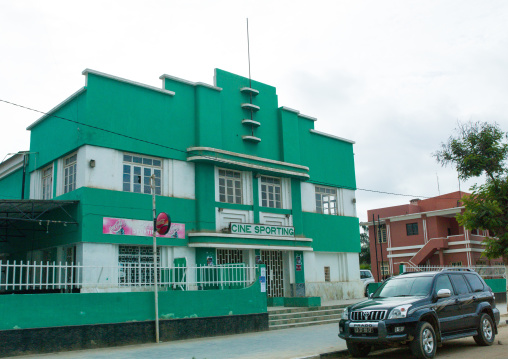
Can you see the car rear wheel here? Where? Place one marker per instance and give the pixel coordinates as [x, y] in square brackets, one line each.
[424, 344]
[358, 350]
[486, 334]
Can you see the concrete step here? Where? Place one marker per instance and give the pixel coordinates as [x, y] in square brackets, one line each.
[314, 319]
[300, 314]
[301, 309]
[299, 317]
[303, 324]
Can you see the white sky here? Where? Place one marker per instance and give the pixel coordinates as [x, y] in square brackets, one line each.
[394, 76]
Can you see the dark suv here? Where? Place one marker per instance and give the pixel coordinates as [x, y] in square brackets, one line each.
[423, 310]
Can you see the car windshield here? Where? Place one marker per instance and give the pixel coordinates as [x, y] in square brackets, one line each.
[405, 287]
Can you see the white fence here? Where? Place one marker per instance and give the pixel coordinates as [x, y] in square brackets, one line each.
[484, 271]
[27, 276]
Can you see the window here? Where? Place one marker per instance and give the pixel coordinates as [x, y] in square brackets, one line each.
[230, 186]
[456, 264]
[70, 173]
[460, 284]
[47, 183]
[137, 171]
[385, 268]
[443, 282]
[412, 229]
[381, 234]
[326, 200]
[475, 282]
[271, 192]
[327, 274]
[481, 263]
[136, 264]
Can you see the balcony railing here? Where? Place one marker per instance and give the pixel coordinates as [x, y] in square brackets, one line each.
[33, 276]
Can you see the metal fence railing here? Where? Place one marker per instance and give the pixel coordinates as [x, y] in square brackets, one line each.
[484, 271]
[23, 276]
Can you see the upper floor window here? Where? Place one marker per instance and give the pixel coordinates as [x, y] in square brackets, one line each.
[230, 186]
[412, 229]
[271, 192]
[70, 173]
[137, 171]
[326, 200]
[381, 234]
[47, 183]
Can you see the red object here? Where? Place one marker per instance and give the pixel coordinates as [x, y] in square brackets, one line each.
[162, 223]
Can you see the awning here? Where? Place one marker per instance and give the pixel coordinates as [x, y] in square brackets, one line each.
[14, 214]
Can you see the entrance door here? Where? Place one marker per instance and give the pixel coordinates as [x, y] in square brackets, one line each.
[274, 273]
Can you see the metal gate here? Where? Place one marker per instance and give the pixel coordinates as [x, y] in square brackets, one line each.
[274, 273]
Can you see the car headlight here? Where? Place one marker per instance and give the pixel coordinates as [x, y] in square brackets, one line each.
[345, 314]
[399, 312]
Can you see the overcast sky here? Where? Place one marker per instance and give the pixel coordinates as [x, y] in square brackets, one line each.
[394, 76]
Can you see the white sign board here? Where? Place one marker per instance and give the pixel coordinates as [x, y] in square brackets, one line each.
[262, 230]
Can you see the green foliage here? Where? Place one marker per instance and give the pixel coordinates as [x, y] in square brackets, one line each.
[365, 266]
[365, 247]
[479, 148]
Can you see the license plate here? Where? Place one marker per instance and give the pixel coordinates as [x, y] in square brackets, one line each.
[364, 330]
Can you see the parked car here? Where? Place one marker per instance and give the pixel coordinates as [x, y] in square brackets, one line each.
[367, 278]
[422, 310]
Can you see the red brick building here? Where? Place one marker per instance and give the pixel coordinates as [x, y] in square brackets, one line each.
[424, 232]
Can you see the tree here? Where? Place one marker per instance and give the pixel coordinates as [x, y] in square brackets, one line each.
[480, 148]
[365, 246]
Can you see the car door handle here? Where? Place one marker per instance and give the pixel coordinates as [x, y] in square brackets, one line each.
[474, 298]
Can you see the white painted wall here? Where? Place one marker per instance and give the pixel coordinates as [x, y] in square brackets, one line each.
[308, 197]
[225, 216]
[349, 200]
[275, 219]
[108, 170]
[183, 179]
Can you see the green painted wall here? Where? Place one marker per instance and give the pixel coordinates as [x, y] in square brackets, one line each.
[332, 233]
[54, 310]
[10, 186]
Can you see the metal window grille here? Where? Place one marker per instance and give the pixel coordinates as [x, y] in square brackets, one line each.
[411, 229]
[326, 200]
[456, 264]
[274, 273]
[47, 182]
[228, 256]
[70, 173]
[137, 171]
[327, 274]
[271, 192]
[137, 261]
[381, 234]
[230, 186]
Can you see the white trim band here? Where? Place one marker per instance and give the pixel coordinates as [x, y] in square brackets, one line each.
[332, 136]
[249, 246]
[249, 236]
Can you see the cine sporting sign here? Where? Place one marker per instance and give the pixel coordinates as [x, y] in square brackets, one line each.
[261, 230]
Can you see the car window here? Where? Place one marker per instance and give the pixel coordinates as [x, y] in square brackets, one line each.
[460, 284]
[443, 282]
[475, 282]
[405, 287]
[363, 275]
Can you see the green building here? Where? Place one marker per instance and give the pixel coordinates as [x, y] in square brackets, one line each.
[243, 179]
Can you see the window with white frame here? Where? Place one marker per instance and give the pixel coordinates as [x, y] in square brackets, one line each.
[137, 171]
[271, 192]
[47, 183]
[326, 200]
[230, 186]
[381, 234]
[70, 173]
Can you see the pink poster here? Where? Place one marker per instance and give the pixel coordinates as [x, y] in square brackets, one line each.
[135, 227]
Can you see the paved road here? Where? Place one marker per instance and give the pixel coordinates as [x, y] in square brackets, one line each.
[278, 344]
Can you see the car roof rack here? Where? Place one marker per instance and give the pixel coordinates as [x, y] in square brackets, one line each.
[457, 269]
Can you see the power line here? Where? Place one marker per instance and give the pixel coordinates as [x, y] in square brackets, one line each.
[205, 156]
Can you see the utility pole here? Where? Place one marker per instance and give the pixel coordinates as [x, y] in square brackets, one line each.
[152, 186]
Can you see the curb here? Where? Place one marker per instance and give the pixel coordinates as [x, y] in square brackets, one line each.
[330, 355]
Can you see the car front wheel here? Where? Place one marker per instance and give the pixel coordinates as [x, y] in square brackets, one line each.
[358, 350]
[486, 332]
[424, 344]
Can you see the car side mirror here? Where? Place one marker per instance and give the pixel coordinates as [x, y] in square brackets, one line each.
[371, 295]
[444, 293]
